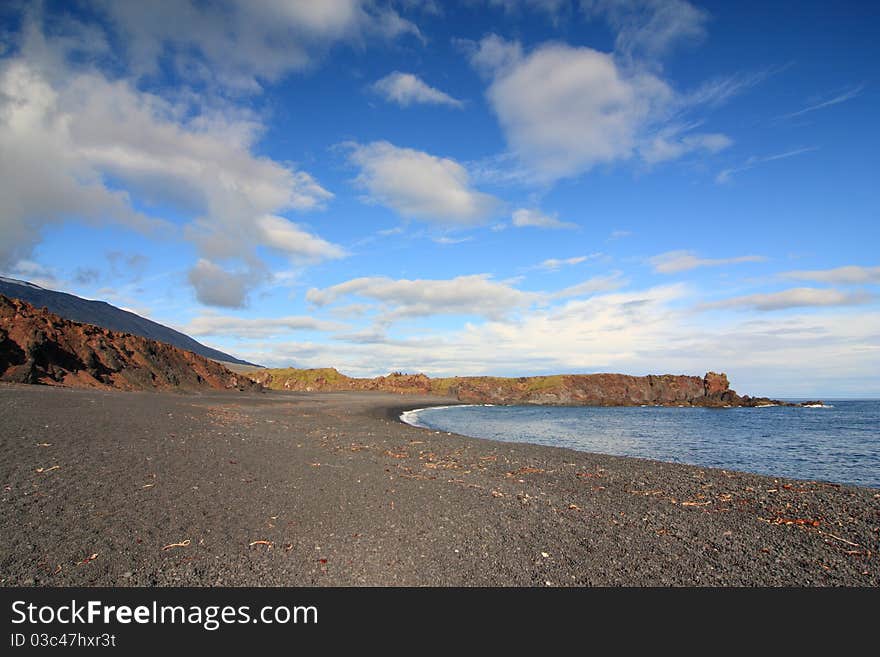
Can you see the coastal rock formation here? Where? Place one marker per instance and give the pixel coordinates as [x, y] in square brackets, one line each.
[600, 390]
[37, 346]
[715, 384]
[328, 379]
[712, 390]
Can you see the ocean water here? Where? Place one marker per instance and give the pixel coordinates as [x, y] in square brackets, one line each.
[839, 442]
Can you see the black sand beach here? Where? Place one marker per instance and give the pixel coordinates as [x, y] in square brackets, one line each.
[287, 489]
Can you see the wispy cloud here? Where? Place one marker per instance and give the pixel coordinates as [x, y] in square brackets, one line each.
[647, 28]
[726, 175]
[552, 264]
[673, 142]
[537, 219]
[594, 285]
[407, 89]
[855, 92]
[851, 274]
[673, 262]
[499, 169]
[717, 91]
[799, 297]
[448, 241]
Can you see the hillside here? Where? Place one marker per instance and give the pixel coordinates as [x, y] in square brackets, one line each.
[101, 313]
[37, 346]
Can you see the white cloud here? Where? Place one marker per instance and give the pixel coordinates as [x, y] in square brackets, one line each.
[239, 43]
[537, 219]
[552, 264]
[406, 89]
[493, 54]
[36, 274]
[798, 297]
[37, 128]
[565, 109]
[285, 236]
[605, 332]
[421, 186]
[463, 295]
[248, 328]
[650, 28]
[351, 311]
[448, 241]
[851, 274]
[215, 286]
[677, 261]
[196, 159]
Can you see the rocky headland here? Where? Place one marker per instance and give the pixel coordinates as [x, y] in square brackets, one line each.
[711, 390]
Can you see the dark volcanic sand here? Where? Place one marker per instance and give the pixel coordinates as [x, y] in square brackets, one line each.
[349, 496]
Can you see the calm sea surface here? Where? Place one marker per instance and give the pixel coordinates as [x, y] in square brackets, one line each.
[838, 443]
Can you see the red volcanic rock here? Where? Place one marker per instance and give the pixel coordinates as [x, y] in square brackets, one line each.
[329, 379]
[37, 346]
[401, 383]
[715, 384]
[601, 390]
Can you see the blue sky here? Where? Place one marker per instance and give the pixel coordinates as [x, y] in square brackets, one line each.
[502, 187]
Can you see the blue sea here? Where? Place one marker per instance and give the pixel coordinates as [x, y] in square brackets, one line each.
[838, 442]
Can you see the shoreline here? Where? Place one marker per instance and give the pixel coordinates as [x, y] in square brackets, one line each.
[585, 450]
[290, 489]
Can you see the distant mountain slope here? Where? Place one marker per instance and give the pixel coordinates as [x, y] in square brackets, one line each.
[101, 313]
[37, 346]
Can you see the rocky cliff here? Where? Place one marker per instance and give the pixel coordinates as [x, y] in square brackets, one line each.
[328, 379]
[37, 346]
[712, 390]
[599, 390]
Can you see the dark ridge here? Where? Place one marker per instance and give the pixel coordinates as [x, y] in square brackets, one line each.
[101, 313]
[37, 346]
